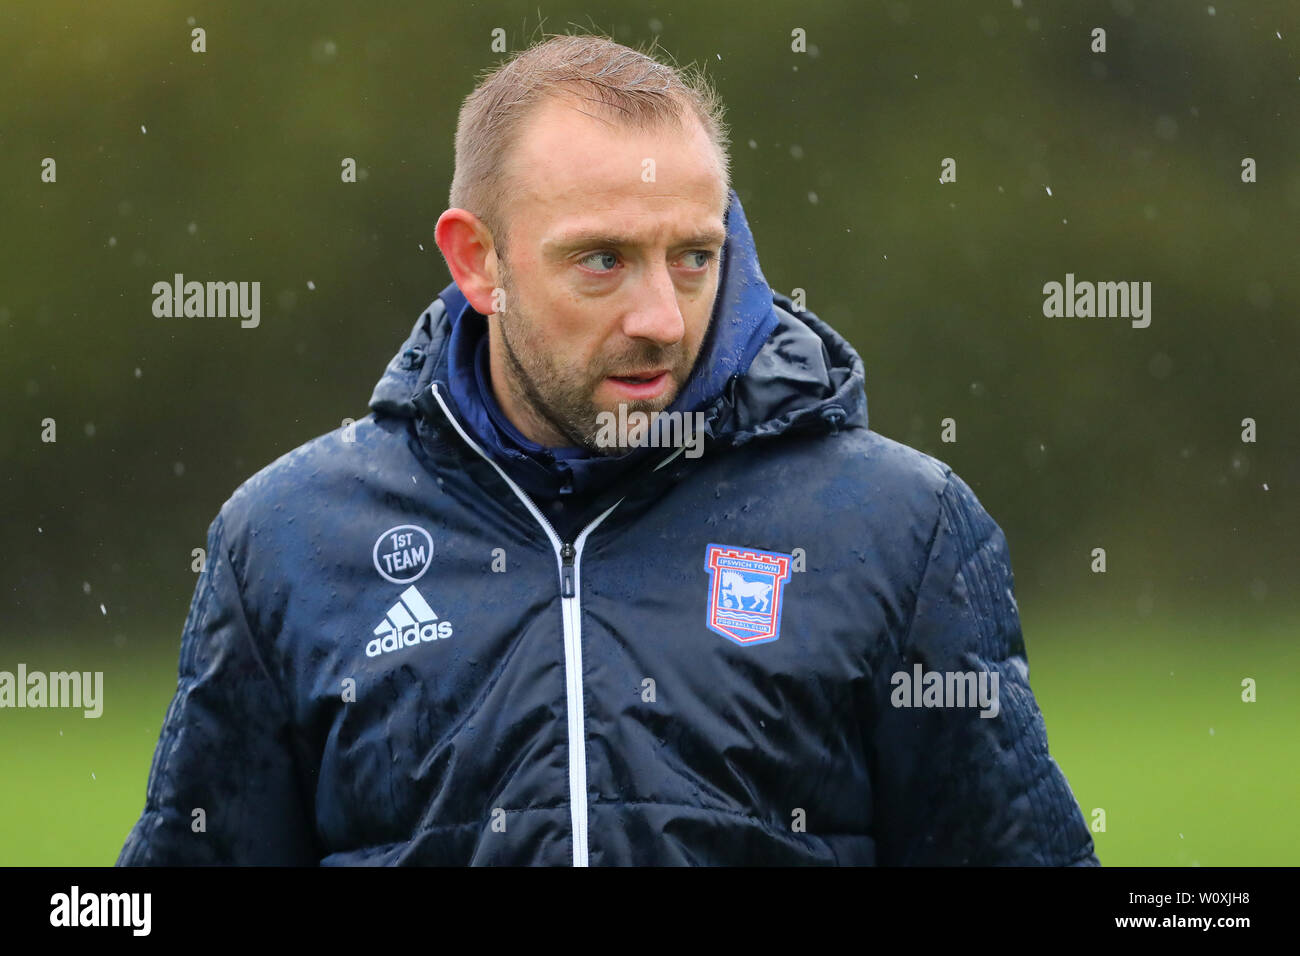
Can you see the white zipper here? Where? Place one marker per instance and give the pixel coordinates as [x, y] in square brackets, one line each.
[570, 605]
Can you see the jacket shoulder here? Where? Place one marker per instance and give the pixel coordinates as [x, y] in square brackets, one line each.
[314, 473]
[895, 482]
[892, 500]
[896, 466]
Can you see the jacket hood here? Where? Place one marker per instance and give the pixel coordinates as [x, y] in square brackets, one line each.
[764, 368]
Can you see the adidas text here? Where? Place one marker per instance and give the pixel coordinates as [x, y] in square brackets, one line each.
[409, 622]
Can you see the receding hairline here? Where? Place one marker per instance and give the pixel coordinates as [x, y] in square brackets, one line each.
[601, 78]
[683, 122]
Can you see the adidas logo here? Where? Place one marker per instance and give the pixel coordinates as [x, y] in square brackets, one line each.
[407, 623]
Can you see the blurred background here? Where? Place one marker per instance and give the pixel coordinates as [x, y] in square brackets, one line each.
[1076, 433]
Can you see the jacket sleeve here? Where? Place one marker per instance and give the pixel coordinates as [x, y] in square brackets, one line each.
[973, 784]
[225, 747]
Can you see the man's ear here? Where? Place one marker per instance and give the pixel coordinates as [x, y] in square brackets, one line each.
[467, 245]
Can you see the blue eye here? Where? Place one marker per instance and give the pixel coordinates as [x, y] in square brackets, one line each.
[607, 258]
[706, 257]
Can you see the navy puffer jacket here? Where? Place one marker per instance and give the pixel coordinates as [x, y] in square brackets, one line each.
[772, 652]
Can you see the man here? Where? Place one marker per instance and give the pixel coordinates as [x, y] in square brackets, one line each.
[501, 620]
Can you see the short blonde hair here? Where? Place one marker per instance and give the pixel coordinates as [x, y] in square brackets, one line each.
[626, 84]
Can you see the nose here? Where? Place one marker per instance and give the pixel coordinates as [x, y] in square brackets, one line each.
[655, 314]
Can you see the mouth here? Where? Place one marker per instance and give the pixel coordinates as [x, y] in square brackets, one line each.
[642, 385]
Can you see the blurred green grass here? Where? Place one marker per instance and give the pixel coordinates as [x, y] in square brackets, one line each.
[1145, 717]
[1143, 714]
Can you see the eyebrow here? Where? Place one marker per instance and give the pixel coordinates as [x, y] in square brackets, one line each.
[591, 240]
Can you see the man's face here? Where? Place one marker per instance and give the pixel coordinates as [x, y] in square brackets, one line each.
[609, 279]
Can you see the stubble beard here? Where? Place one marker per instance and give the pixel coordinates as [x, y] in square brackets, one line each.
[563, 398]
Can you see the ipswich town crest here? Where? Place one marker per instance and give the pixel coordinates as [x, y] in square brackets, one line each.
[745, 592]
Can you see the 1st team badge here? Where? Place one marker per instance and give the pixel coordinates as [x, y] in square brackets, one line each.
[745, 588]
[403, 554]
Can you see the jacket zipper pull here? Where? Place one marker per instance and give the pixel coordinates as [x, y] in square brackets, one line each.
[566, 570]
